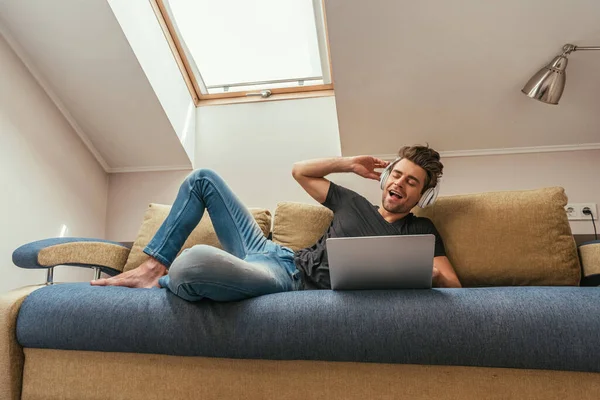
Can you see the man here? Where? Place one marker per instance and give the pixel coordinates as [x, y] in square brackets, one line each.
[251, 265]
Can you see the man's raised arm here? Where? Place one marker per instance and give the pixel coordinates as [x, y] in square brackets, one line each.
[310, 173]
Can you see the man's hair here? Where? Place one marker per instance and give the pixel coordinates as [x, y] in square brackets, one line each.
[426, 158]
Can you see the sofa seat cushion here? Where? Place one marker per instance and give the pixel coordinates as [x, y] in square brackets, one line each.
[556, 328]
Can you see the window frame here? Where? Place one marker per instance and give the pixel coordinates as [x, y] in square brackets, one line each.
[187, 67]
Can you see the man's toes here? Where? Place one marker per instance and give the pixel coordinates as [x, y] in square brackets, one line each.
[114, 281]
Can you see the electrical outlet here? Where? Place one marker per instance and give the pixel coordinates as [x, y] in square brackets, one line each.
[571, 212]
[575, 211]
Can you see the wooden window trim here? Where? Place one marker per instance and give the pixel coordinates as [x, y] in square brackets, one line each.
[237, 97]
[274, 97]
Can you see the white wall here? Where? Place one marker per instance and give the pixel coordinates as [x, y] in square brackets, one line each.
[49, 177]
[129, 195]
[252, 145]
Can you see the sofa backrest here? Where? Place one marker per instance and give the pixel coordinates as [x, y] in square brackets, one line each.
[492, 239]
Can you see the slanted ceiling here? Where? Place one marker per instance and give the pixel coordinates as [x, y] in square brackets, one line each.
[450, 73]
[79, 53]
[444, 72]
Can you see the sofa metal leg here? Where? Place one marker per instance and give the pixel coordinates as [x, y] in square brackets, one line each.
[50, 276]
[97, 273]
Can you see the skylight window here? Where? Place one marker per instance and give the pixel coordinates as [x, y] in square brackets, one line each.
[233, 48]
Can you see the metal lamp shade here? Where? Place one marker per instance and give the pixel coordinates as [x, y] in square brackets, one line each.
[548, 84]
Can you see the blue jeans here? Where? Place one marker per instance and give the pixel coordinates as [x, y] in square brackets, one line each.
[250, 266]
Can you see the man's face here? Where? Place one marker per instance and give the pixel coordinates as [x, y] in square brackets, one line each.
[403, 188]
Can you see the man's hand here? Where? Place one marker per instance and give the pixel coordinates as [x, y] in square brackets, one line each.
[443, 273]
[365, 166]
[435, 278]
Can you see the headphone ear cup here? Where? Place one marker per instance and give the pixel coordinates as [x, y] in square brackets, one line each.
[429, 197]
[384, 176]
[386, 172]
[425, 198]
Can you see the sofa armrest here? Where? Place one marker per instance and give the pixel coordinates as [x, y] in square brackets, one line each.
[589, 253]
[11, 353]
[103, 255]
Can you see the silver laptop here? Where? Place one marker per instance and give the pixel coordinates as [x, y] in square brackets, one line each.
[381, 262]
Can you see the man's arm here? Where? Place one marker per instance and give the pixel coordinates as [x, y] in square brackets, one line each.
[443, 273]
[310, 174]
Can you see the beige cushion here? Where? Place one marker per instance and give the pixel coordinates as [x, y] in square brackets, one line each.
[590, 258]
[202, 234]
[508, 238]
[298, 225]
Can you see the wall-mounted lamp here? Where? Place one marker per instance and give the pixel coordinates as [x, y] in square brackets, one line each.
[548, 84]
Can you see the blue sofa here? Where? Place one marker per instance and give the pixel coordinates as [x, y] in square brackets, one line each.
[551, 328]
[483, 341]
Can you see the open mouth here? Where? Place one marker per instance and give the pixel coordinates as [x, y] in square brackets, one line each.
[395, 195]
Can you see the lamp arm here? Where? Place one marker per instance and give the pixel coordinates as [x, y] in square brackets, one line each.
[568, 48]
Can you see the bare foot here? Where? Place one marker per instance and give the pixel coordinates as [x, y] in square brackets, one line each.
[144, 276]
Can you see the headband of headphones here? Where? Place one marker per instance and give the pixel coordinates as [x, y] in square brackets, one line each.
[427, 198]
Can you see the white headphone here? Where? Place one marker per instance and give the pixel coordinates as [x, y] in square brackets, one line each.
[427, 198]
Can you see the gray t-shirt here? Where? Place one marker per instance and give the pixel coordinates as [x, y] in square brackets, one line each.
[354, 216]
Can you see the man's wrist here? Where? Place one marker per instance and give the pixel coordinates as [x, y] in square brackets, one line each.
[320, 168]
[349, 164]
[341, 165]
